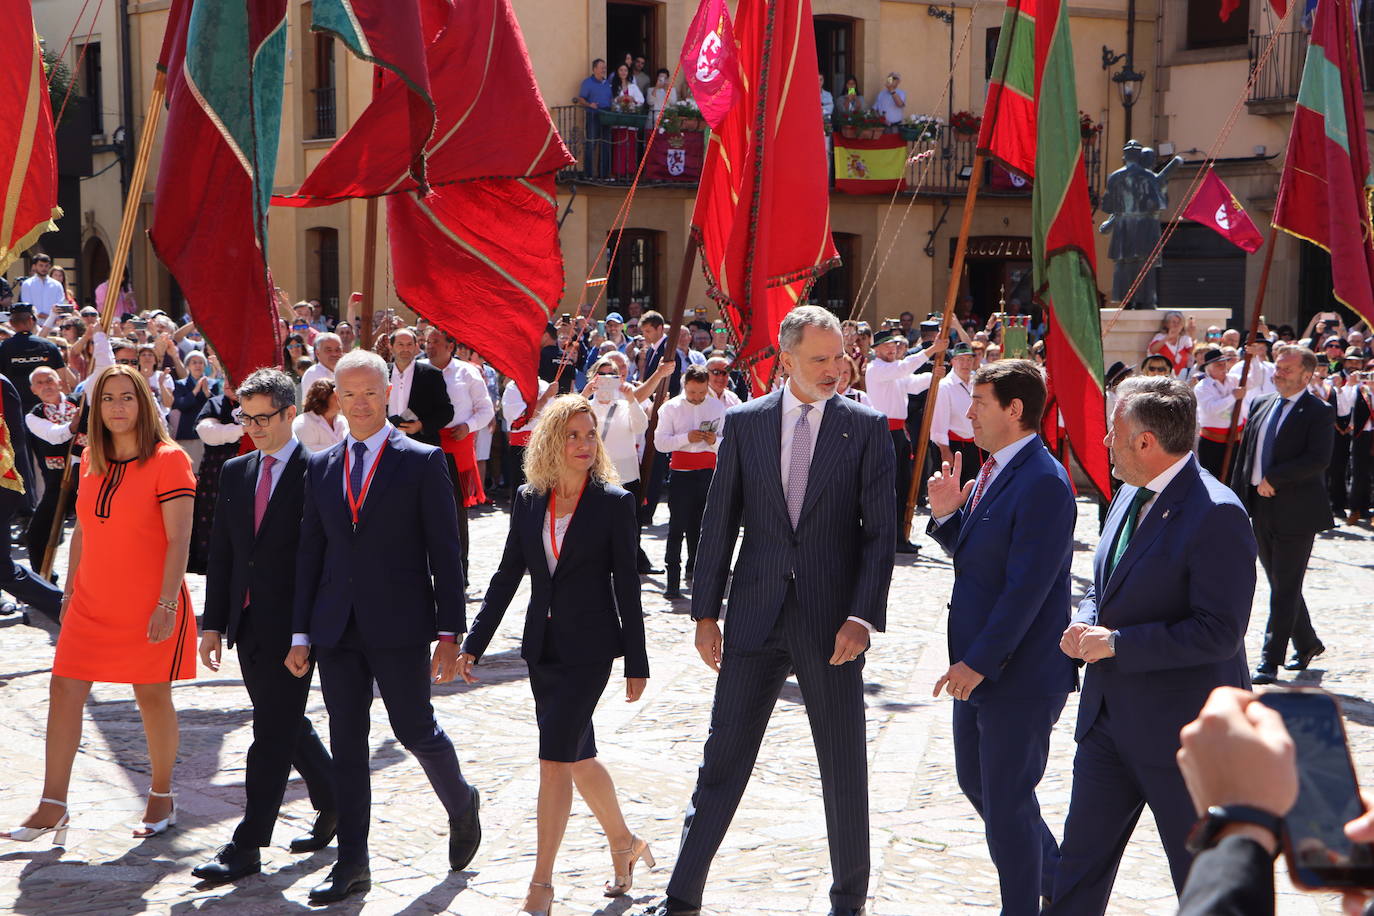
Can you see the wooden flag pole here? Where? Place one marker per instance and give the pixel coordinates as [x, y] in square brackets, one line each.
[113, 287]
[951, 293]
[684, 286]
[1245, 366]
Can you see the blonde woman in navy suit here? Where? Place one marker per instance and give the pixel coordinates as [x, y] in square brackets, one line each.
[575, 532]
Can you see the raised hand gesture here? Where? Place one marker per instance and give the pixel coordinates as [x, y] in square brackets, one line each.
[943, 490]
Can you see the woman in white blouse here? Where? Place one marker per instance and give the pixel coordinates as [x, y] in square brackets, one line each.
[319, 425]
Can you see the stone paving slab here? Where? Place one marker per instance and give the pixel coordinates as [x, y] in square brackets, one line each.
[928, 851]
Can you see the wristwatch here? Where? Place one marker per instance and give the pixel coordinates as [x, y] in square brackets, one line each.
[1218, 817]
[1111, 640]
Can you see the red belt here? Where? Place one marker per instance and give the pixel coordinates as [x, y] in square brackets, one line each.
[692, 461]
[894, 424]
[955, 437]
[1218, 433]
[520, 439]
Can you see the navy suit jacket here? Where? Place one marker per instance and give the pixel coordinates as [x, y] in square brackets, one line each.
[1180, 599]
[400, 574]
[588, 608]
[1302, 456]
[1012, 556]
[841, 553]
[259, 564]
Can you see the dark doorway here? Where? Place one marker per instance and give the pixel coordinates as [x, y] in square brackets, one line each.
[1314, 286]
[1200, 269]
[835, 52]
[637, 275]
[835, 288]
[632, 28]
[322, 268]
[95, 268]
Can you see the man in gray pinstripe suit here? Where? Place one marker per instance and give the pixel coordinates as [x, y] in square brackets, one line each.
[810, 477]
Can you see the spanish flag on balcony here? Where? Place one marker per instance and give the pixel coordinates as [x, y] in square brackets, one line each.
[870, 166]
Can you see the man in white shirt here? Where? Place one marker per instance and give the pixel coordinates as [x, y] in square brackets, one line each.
[1217, 393]
[891, 101]
[718, 382]
[889, 380]
[472, 410]
[418, 402]
[40, 290]
[689, 429]
[1260, 380]
[827, 100]
[328, 350]
[950, 428]
[512, 411]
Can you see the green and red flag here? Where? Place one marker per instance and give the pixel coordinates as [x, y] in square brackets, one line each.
[762, 214]
[225, 66]
[1324, 194]
[1031, 125]
[29, 192]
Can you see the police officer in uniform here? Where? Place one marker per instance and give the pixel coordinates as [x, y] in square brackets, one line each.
[23, 353]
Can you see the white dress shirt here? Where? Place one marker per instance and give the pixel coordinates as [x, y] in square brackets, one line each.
[513, 406]
[467, 392]
[620, 432]
[726, 397]
[1158, 485]
[315, 433]
[1257, 472]
[679, 416]
[889, 383]
[398, 402]
[1216, 401]
[791, 413]
[42, 293]
[314, 374]
[951, 410]
[1260, 381]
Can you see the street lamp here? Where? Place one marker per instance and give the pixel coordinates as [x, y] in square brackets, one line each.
[1127, 79]
[1128, 83]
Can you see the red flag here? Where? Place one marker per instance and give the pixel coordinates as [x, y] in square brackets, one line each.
[762, 215]
[480, 251]
[1218, 209]
[1326, 185]
[219, 157]
[28, 203]
[710, 60]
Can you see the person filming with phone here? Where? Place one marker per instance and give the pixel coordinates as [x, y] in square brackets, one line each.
[1269, 772]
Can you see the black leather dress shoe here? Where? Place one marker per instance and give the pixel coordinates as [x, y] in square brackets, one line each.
[1301, 660]
[1264, 675]
[319, 837]
[344, 881]
[231, 863]
[465, 835]
[906, 547]
[847, 911]
[672, 594]
[671, 906]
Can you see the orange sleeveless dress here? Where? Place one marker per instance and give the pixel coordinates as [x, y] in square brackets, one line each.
[119, 578]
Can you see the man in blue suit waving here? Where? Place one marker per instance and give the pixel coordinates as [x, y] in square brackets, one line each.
[1010, 532]
[1162, 625]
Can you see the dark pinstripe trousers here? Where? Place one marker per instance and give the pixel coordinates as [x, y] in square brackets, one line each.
[746, 692]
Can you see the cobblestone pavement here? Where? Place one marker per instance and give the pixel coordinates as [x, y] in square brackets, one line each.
[928, 851]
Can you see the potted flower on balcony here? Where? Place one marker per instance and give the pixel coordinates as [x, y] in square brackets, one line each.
[872, 124]
[1088, 129]
[846, 123]
[622, 113]
[916, 128]
[966, 123]
[689, 115]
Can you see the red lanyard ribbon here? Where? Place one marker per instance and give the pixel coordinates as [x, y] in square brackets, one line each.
[553, 516]
[355, 504]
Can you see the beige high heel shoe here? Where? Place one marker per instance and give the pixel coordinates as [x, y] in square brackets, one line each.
[546, 910]
[639, 849]
[146, 830]
[58, 830]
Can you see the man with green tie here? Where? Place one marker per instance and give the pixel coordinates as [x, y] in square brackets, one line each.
[1161, 626]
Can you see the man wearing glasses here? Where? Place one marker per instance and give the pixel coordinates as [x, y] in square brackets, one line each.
[250, 588]
[718, 382]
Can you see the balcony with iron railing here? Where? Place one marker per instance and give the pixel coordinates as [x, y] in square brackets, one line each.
[1276, 86]
[609, 156]
[325, 113]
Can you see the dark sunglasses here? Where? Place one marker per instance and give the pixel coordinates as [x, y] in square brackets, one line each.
[719, 371]
[126, 362]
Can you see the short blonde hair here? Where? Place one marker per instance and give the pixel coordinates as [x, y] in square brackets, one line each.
[544, 454]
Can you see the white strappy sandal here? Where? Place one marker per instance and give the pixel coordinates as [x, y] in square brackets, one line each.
[58, 830]
[146, 830]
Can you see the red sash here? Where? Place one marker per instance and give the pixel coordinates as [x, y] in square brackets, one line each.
[894, 424]
[1218, 433]
[955, 437]
[520, 438]
[692, 461]
[464, 452]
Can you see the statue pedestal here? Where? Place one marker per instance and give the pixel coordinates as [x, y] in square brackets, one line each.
[1131, 332]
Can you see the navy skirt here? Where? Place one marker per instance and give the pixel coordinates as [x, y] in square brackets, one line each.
[565, 697]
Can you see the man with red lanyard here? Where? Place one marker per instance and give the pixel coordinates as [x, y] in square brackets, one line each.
[889, 380]
[951, 429]
[689, 429]
[1217, 396]
[472, 410]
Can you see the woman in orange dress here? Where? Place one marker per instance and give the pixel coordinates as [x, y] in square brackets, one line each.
[126, 614]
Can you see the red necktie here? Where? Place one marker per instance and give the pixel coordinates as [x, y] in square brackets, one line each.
[264, 492]
[983, 477]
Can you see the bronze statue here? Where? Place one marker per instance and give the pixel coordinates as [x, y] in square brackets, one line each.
[1136, 197]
